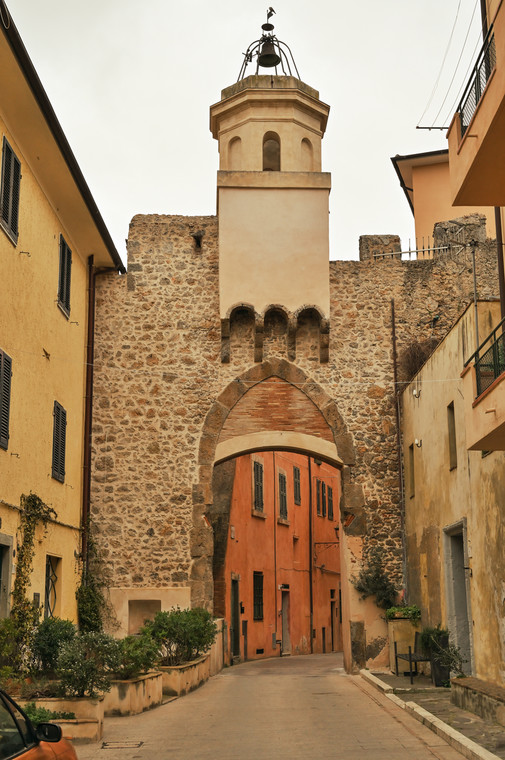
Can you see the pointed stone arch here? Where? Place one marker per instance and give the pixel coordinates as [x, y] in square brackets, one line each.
[201, 539]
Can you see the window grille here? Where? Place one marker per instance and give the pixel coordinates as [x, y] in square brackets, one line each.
[51, 580]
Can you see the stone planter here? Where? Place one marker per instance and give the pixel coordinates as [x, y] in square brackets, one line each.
[180, 679]
[88, 723]
[403, 631]
[135, 695]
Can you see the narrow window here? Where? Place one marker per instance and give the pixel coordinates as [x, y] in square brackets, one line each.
[64, 278]
[323, 499]
[296, 485]
[51, 596]
[283, 501]
[9, 192]
[258, 596]
[330, 503]
[59, 438]
[258, 486]
[412, 488]
[271, 152]
[318, 497]
[5, 398]
[451, 425]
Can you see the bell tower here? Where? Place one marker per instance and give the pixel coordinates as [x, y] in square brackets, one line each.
[272, 196]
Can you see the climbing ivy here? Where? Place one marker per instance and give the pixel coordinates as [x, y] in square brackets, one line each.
[24, 614]
[93, 607]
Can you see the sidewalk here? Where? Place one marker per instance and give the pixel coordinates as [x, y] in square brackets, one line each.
[474, 737]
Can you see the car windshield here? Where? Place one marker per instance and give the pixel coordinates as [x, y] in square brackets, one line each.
[11, 740]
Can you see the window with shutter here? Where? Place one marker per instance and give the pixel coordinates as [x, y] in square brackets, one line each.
[258, 486]
[258, 596]
[9, 191]
[330, 503]
[323, 499]
[283, 500]
[59, 439]
[318, 496]
[64, 277]
[296, 486]
[5, 398]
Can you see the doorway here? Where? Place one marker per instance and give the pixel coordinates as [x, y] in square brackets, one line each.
[286, 640]
[457, 572]
[235, 620]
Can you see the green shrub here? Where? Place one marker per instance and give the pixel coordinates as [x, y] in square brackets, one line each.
[90, 602]
[49, 637]
[373, 581]
[137, 655]
[86, 662]
[32, 688]
[181, 635]
[411, 612]
[433, 639]
[7, 642]
[38, 715]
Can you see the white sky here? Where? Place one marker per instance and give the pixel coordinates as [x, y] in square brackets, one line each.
[131, 84]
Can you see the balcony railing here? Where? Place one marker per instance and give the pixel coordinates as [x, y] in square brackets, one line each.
[489, 363]
[478, 81]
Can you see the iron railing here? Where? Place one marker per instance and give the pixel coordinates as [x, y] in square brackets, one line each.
[489, 364]
[478, 81]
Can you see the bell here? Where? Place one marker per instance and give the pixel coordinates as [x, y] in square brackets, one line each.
[268, 57]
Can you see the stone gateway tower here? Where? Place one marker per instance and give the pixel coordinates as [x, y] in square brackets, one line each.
[235, 334]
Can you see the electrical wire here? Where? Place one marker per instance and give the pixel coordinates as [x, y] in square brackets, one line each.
[465, 78]
[442, 65]
[457, 64]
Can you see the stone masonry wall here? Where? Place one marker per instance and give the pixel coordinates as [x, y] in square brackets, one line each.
[158, 373]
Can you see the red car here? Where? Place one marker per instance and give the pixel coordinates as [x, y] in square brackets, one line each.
[18, 738]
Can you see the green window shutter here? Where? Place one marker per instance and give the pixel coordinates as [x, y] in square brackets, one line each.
[9, 193]
[59, 442]
[296, 485]
[323, 498]
[64, 276]
[257, 596]
[330, 503]
[5, 398]
[258, 486]
[318, 497]
[283, 501]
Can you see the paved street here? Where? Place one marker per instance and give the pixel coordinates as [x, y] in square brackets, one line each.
[294, 708]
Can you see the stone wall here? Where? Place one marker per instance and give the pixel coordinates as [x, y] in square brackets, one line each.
[163, 392]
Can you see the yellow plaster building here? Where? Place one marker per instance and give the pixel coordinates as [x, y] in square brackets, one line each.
[52, 241]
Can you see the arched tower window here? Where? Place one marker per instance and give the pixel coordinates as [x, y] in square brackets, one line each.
[235, 154]
[307, 156]
[271, 152]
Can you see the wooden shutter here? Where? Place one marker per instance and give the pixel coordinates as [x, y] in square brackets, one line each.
[296, 485]
[9, 199]
[318, 496]
[59, 441]
[323, 498]
[258, 486]
[64, 276]
[5, 398]
[283, 502]
[330, 503]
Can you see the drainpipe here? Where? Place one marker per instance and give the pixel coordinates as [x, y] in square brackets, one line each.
[499, 250]
[483, 13]
[399, 445]
[88, 408]
[275, 551]
[311, 594]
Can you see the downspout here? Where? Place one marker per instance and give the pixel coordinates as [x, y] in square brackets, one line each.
[311, 593]
[88, 409]
[275, 553]
[483, 13]
[399, 446]
[499, 247]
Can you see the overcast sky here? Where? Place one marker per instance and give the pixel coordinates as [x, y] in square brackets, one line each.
[131, 84]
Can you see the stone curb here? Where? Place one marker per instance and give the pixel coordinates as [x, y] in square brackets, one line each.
[466, 746]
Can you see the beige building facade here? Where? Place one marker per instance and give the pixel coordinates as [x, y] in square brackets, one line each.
[51, 234]
[454, 505]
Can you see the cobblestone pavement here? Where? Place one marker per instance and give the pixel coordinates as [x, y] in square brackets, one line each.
[489, 735]
[300, 708]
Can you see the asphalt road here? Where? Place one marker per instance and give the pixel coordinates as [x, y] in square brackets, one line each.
[297, 707]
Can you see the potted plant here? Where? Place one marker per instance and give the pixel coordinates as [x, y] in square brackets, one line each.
[444, 656]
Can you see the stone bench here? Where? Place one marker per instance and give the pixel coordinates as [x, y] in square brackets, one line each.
[480, 697]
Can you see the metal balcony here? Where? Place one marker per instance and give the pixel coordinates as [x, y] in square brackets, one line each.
[489, 362]
[478, 81]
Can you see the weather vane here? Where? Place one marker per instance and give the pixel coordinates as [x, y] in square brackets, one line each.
[269, 52]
